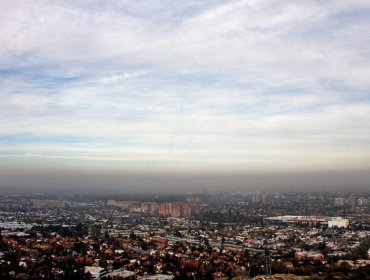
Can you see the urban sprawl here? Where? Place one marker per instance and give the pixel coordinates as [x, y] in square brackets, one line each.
[242, 235]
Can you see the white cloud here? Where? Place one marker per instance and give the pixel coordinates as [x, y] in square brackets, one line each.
[120, 77]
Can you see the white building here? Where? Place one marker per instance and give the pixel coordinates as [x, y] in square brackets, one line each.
[96, 272]
[121, 274]
[338, 222]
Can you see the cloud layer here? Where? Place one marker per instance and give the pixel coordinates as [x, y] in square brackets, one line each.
[212, 85]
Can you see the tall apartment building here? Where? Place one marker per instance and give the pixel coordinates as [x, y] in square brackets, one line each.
[177, 210]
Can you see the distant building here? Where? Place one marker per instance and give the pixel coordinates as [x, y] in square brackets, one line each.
[179, 210]
[121, 274]
[96, 272]
[307, 221]
[351, 200]
[192, 199]
[362, 201]
[338, 222]
[303, 255]
[121, 203]
[149, 207]
[15, 226]
[339, 201]
[258, 197]
[157, 277]
[47, 203]
[174, 210]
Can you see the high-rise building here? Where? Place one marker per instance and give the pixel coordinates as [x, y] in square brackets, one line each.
[258, 197]
[177, 210]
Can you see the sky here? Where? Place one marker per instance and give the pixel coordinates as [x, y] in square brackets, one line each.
[165, 87]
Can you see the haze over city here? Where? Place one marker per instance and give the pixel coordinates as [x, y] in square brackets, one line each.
[184, 95]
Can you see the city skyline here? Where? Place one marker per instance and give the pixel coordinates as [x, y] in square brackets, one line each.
[194, 89]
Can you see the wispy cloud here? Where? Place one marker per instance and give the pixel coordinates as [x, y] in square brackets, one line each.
[121, 77]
